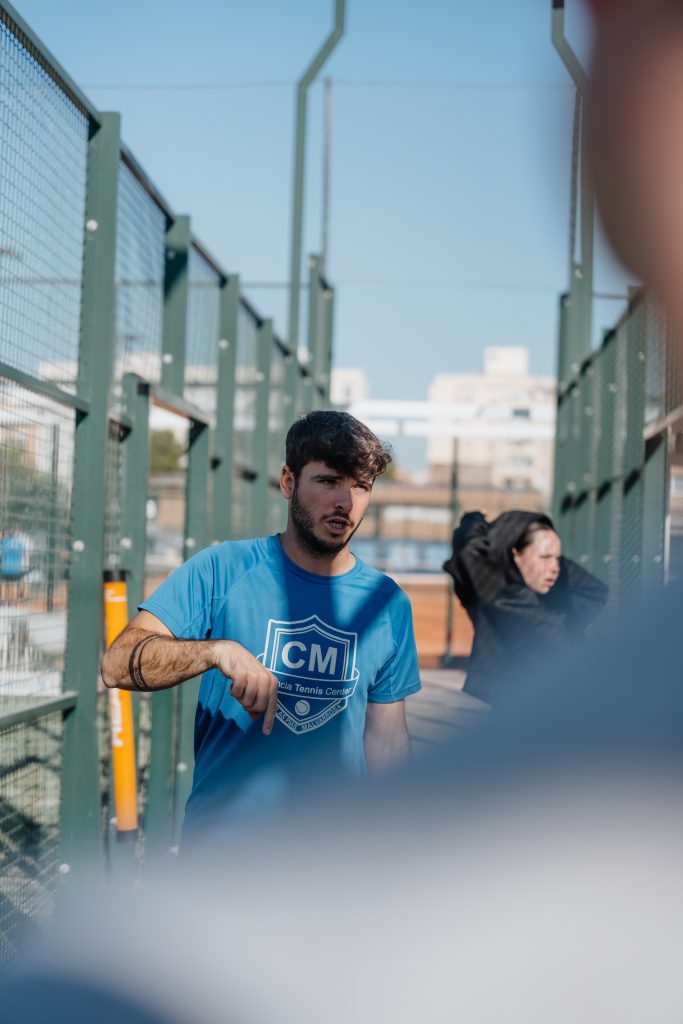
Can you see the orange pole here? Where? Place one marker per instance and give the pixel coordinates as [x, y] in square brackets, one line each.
[120, 712]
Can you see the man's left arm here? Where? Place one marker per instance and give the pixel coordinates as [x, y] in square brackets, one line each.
[386, 739]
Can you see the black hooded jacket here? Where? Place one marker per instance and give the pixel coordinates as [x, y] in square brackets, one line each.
[517, 632]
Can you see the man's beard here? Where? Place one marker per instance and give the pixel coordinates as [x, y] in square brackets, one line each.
[304, 527]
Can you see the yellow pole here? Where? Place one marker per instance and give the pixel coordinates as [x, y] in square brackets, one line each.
[120, 713]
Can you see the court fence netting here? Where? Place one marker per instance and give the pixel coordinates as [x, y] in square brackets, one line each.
[143, 407]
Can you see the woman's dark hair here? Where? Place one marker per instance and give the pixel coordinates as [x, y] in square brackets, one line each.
[340, 441]
[542, 524]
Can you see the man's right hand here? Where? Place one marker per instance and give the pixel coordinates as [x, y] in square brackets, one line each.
[253, 686]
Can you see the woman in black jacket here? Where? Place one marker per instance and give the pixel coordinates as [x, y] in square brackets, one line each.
[527, 602]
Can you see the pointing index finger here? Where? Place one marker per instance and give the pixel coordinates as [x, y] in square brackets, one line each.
[271, 710]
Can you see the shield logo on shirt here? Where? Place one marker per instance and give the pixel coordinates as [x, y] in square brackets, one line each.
[315, 665]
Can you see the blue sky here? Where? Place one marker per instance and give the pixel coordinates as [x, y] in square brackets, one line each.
[450, 159]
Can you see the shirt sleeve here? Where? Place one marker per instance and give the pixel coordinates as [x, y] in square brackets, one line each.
[399, 676]
[578, 593]
[184, 600]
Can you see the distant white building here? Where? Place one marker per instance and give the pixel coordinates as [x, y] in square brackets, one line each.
[497, 426]
[348, 386]
[509, 441]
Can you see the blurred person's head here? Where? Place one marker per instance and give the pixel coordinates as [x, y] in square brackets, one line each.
[635, 133]
[537, 556]
[332, 460]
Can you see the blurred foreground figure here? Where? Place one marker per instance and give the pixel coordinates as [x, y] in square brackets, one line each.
[635, 124]
[529, 874]
[527, 602]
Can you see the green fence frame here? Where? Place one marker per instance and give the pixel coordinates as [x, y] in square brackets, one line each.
[210, 476]
[617, 420]
[619, 408]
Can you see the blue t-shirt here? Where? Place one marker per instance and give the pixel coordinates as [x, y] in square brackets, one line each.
[334, 643]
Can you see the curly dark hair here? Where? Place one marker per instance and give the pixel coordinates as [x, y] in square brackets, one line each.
[340, 441]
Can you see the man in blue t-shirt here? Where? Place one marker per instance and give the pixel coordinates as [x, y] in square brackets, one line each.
[293, 628]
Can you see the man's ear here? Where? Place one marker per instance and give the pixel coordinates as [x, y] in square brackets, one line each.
[287, 482]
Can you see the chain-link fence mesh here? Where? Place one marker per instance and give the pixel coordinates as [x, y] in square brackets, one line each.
[30, 782]
[140, 255]
[54, 359]
[203, 333]
[43, 158]
[36, 466]
[43, 151]
[613, 463]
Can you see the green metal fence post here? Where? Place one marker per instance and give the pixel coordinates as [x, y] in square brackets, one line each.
[314, 311]
[590, 412]
[196, 537]
[134, 497]
[633, 448]
[618, 390]
[581, 284]
[300, 167]
[264, 357]
[319, 338]
[564, 374]
[605, 529]
[308, 403]
[574, 503]
[134, 500]
[308, 392]
[292, 396]
[223, 462]
[159, 811]
[328, 340]
[289, 413]
[562, 442]
[176, 287]
[576, 462]
[81, 834]
[159, 834]
[655, 506]
[196, 509]
[560, 502]
[302, 391]
[286, 422]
